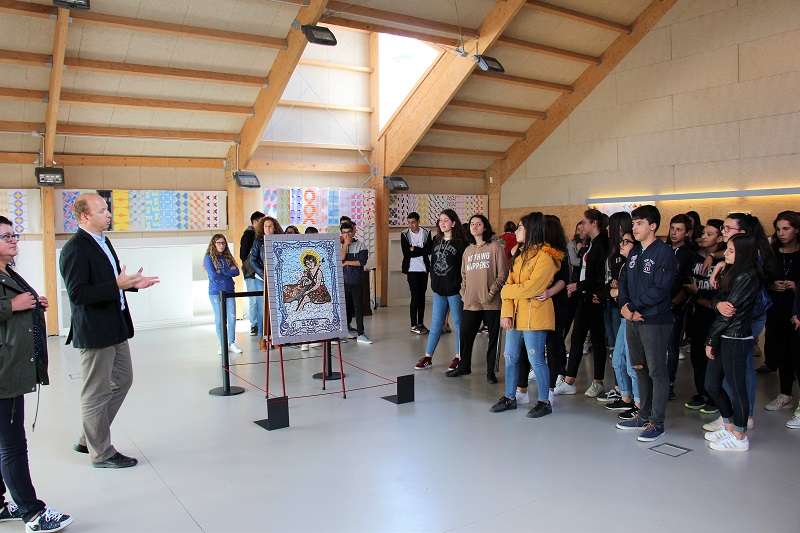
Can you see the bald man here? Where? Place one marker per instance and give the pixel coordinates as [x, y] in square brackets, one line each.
[100, 326]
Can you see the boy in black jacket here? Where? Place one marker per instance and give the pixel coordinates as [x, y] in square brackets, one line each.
[416, 244]
[245, 245]
[588, 291]
[645, 299]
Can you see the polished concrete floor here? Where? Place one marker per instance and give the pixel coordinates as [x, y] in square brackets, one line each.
[440, 464]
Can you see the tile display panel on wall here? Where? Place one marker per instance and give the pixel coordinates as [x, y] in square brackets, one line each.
[430, 205]
[321, 207]
[150, 210]
[23, 207]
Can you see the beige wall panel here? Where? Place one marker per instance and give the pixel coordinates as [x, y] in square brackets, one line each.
[463, 117]
[167, 178]
[645, 180]
[25, 111]
[448, 161]
[440, 185]
[32, 34]
[471, 12]
[528, 64]
[718, 67]
[573, 159]
[318, 126]
[535, 191]
[25, 77]
[603, 96]
[772, 55]
[755, 98]
[690, 145]
[14, 176]
[122, 178]
[717, 175]
[560, 32]
[636, 118]
[689, 9]
[624, 12]
[490, 92]
[18, 142]
[461, 140]
[654, 48]
[200, 179]
[771, 135]
[329, 86]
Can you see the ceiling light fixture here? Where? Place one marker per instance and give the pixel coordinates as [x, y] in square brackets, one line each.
[488, 63]
[316, 34]
[72, 4]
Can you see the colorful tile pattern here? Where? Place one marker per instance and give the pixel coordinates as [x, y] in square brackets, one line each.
[22, 207]
[430, 205]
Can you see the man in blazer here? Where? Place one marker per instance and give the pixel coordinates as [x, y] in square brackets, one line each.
[100, 327]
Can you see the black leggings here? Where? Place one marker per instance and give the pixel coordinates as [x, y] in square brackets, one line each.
[418, 286]
[699, 325]
[780, 349]
[730, 364]
[14, 458]
[470, 325]
[588, 320]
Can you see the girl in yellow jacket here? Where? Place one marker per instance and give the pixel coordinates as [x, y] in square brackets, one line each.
[525, 317]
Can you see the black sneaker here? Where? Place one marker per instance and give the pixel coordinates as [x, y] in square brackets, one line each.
[9, 512]
[504, 404]
[672, 395]
[609, 396]
[491, 378]
[253, 331]
[696, 403]
[414, 329]
[48, 520]
[422, 329]
[629, 414]
[458, 371]
[620, 405]
[709, 409]
[540, 409]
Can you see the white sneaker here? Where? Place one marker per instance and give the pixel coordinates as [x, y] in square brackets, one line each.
[304, 347]
[234, 348]
[714, 425]
[531, 375]
[564, 388]
[523, 397]
[363, 339]
[782, 401]
[794, 422]
[594, 390]
[730, 444]
[716, 436]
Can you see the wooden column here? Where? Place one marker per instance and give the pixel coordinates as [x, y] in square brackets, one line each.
[236, 220]
[382, 221]
[48, 193]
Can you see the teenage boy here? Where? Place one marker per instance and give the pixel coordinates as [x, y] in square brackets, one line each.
[354, 257]
[645, 299]
[250, 281]
[416, 244]
[589, 312]
[685, 257]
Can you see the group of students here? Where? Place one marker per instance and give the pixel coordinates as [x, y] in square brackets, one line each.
[713, 287]
[221, 268]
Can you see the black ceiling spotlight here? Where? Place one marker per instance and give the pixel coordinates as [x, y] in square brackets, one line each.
[488, 63]
[72, 4]
[246, 179]
[316, 34]
[396, 183]
[49, 176]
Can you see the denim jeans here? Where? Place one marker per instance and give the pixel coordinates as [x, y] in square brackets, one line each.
[230, 305]
[750, 370]
[16, 475]
[627, 380]
[534, 345]
[441, 304]
[252, 303]
[612, 319]
[258, 317]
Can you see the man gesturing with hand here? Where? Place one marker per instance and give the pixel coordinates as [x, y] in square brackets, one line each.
[100, 326]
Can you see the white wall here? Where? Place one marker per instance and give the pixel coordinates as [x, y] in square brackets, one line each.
[709, 100]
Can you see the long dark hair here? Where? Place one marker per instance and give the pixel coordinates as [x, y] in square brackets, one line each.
[457, 233]
[746, 260]
[535, 231]
[215, 256]
[789, 216]
[751, 226]
[554, 233]
[259, 227]
[488, 232]
[619, 224]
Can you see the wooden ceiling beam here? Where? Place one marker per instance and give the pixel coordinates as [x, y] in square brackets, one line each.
[578, 16]
[455, 128]
[25, 58]
[446, 150]
[391, 30]
[54, 91]
[314, 146]
[305, 166]
[337, 7]
[318, 105]
[524, 82]
[15, 126]
[281, 71]
[497, 109]
[18, 158]
[441, 172]
[521, 150]
[91, 160]
[560, 53]
[23, 94]
[88, 130]
[440, 84]
[334, 66]
[152, 26]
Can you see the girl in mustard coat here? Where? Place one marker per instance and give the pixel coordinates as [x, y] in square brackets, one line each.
[526, 318]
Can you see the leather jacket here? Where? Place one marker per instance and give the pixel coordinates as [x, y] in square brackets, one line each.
[743, 295]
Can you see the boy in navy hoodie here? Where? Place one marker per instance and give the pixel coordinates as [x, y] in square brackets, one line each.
[645, 299]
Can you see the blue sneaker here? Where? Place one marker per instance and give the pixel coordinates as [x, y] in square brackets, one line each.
[10, 512]
[650, 432]
[635, 423]
[48, 520]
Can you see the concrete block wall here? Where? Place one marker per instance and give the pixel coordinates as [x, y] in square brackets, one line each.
[709, 100]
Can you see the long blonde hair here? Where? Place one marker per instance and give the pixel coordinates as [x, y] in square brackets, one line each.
[214, 255]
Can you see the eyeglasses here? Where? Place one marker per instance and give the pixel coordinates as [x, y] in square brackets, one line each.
[627, 241]
[10, 237]
[729, 229]
[220, 242]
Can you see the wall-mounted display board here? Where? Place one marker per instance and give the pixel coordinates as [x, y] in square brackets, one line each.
[430, 205]
[321, 207]
[23, 207]
[143, 210]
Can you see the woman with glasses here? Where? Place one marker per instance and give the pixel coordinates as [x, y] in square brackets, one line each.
[221, 269]
[23, 367]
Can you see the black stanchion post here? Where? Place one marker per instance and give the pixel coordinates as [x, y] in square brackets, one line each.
[329, 373]
[405, 390]
[226, 389]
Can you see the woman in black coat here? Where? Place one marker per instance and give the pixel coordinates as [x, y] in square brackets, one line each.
[23, 367]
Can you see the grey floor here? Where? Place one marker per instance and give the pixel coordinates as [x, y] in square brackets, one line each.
[441, 464]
